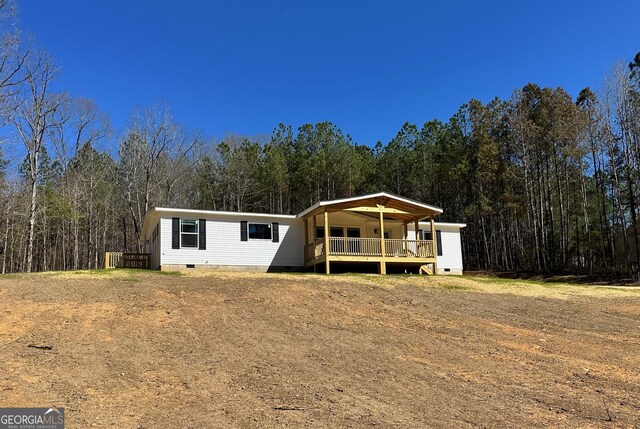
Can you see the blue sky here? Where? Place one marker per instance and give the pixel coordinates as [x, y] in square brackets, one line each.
[367, 66]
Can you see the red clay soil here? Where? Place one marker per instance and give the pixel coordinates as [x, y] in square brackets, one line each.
[263, 351]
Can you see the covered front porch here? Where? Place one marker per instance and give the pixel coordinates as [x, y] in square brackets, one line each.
[378, 228]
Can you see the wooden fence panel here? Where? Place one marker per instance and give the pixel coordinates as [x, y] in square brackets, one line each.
[112, 260]
[127, 260]
[136, 260]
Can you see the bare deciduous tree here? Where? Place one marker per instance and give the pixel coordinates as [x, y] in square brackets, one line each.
[152, 157]
[36, 114]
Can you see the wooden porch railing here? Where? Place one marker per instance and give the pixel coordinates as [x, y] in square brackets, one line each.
[349, 246]
[409, 248]
[313, 250]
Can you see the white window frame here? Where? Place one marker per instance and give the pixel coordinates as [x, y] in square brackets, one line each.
[197, 233]
[259, 223]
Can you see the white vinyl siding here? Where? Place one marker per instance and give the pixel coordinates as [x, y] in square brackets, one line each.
[224, 247]
[451, 257]
[451, 249]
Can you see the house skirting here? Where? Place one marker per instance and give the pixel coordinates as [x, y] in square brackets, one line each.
[230, 268]
[452, 271]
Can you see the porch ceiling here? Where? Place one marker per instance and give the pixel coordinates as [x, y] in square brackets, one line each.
[392, 206]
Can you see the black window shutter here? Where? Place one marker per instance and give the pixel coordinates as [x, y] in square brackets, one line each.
[243, 231]
[175, 233]
[202, 234]
[275, 232]
[439, 242]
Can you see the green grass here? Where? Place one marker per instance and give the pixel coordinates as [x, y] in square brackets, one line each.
[484, 283]
[98, 272]
[9, 276]
[117, 273]
[520, 282]
[508, 281]
[455, 287]
[296, 273]
[166, 273]
[549, 284]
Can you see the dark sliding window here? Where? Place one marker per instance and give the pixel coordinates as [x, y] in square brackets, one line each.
[425, 234]
[260, 231]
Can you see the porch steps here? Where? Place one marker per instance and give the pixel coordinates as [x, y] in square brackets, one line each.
[426, 269]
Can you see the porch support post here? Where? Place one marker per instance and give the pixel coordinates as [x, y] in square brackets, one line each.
[315, 228]
[306, 240]
[435, 246]
[383, 263]
[326, 241]
[313, 239]
[417, 228]
[405, 237]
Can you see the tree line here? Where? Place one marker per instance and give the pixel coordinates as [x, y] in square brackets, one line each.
[545, 182]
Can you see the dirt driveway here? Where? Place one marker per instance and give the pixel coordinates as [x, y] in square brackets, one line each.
[145, 350]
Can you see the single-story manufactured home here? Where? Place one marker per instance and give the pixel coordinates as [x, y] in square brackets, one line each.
[378, 232]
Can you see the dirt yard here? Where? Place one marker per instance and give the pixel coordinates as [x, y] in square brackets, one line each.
[132, 349]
